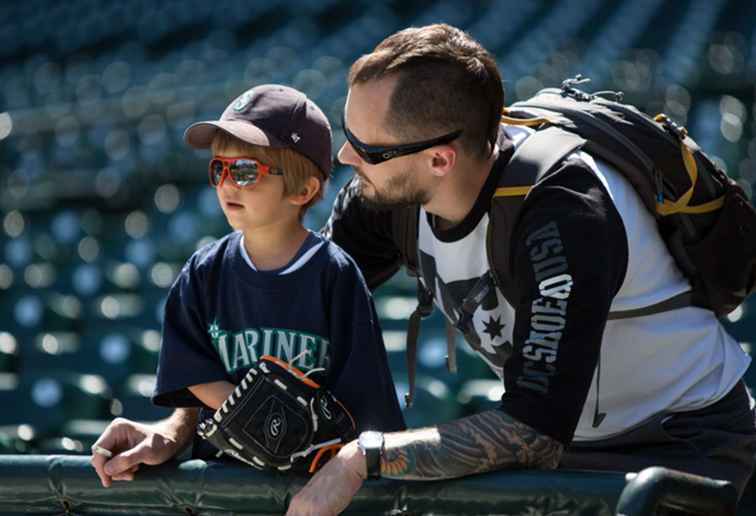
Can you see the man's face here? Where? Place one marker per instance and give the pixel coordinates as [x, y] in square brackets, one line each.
[398, 181]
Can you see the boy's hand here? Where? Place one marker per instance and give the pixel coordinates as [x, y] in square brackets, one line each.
[132, 444]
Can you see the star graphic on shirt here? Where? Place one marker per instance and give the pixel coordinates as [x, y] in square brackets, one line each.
[493, 327]
[214, 330]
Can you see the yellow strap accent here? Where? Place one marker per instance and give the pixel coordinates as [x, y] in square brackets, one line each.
[666, 208]
[681, 205]
[521, 121]
[512, 191]
[662, 118]
[669, 207]
[705, 207]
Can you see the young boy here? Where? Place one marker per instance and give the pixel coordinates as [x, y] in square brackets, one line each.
[271, 287]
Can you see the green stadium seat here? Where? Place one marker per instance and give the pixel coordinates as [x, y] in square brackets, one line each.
[75, 437]
[116, 352]
[111, 351]
[16, 439]
[132, 399]
[750, 375]
[122, 277]
[85, 429]
[9, 360]
[61, 446]
[52, 351]
[433, 402]
[394, 310]
[45, 401]
[432, 357]
[479, 395]
[741, 322]
[118, 307]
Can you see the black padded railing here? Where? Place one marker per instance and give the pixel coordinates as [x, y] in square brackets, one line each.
[658, 488]
[67, 485]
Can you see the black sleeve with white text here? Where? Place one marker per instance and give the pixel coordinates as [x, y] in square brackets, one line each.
[569, 260]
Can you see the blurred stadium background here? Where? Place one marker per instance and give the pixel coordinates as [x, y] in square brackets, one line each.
[101, 202]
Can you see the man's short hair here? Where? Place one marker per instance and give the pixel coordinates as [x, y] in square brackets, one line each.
[445, 81]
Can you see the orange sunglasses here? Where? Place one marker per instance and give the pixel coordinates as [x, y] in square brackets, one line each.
[243, 172]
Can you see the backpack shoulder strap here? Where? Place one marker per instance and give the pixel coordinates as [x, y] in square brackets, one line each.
[532, 161]
[405, 234]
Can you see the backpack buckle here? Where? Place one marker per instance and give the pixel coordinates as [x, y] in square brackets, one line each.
[424, 300]
[569, 89]
[574, 81]
[677, 130]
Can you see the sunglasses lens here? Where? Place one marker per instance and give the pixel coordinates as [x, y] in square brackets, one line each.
[359, 148]
[365, 156]
[371, 157]
[244, 172]
[216, 172]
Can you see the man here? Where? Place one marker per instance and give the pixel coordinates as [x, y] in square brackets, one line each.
[581, 392]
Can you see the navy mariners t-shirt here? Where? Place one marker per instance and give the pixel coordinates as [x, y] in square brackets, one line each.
[316, 312]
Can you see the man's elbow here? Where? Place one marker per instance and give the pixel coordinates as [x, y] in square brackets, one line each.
[537, 449]
[551, 456]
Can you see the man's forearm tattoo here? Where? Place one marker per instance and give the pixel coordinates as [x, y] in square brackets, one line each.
[476, 444]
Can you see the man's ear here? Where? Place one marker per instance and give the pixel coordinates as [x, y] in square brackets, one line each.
[308, 191]
[442, 159]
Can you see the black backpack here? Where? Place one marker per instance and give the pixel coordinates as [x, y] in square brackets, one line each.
[704, 217]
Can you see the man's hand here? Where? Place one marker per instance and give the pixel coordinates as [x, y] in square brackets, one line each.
[132, 444]
[331, 489]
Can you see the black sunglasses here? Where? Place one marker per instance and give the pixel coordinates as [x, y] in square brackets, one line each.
[375, 154]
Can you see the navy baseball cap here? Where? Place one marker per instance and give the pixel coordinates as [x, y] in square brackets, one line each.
[271, 115]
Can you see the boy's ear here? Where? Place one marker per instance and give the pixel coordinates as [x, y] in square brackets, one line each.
[308, 191]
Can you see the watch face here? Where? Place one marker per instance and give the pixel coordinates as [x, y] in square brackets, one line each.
[371, 439]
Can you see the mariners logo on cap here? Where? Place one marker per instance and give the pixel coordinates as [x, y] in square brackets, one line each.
[243, 102]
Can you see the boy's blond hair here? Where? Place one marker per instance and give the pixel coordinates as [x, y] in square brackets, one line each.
[297, 168]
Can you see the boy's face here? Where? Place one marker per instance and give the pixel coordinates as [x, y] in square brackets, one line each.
[252, 208]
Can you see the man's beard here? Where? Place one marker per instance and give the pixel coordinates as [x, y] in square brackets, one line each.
[400, 190]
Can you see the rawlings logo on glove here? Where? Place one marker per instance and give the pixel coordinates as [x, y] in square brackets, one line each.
[278, 418]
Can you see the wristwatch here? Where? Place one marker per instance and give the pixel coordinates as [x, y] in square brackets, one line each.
[370, 444]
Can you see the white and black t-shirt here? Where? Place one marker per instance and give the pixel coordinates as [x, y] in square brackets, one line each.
[584, 246]
[453, 262]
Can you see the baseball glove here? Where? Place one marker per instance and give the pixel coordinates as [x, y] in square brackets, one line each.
[278, 418]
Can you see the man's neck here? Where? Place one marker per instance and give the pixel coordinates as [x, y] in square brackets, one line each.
[273, 246]
[454, 200]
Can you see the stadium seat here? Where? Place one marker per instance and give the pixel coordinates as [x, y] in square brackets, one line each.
[9, 360]
[45, 401]
[86, 431]
[479, 395]
[433, 402]
[133, 399]
[16, 439]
